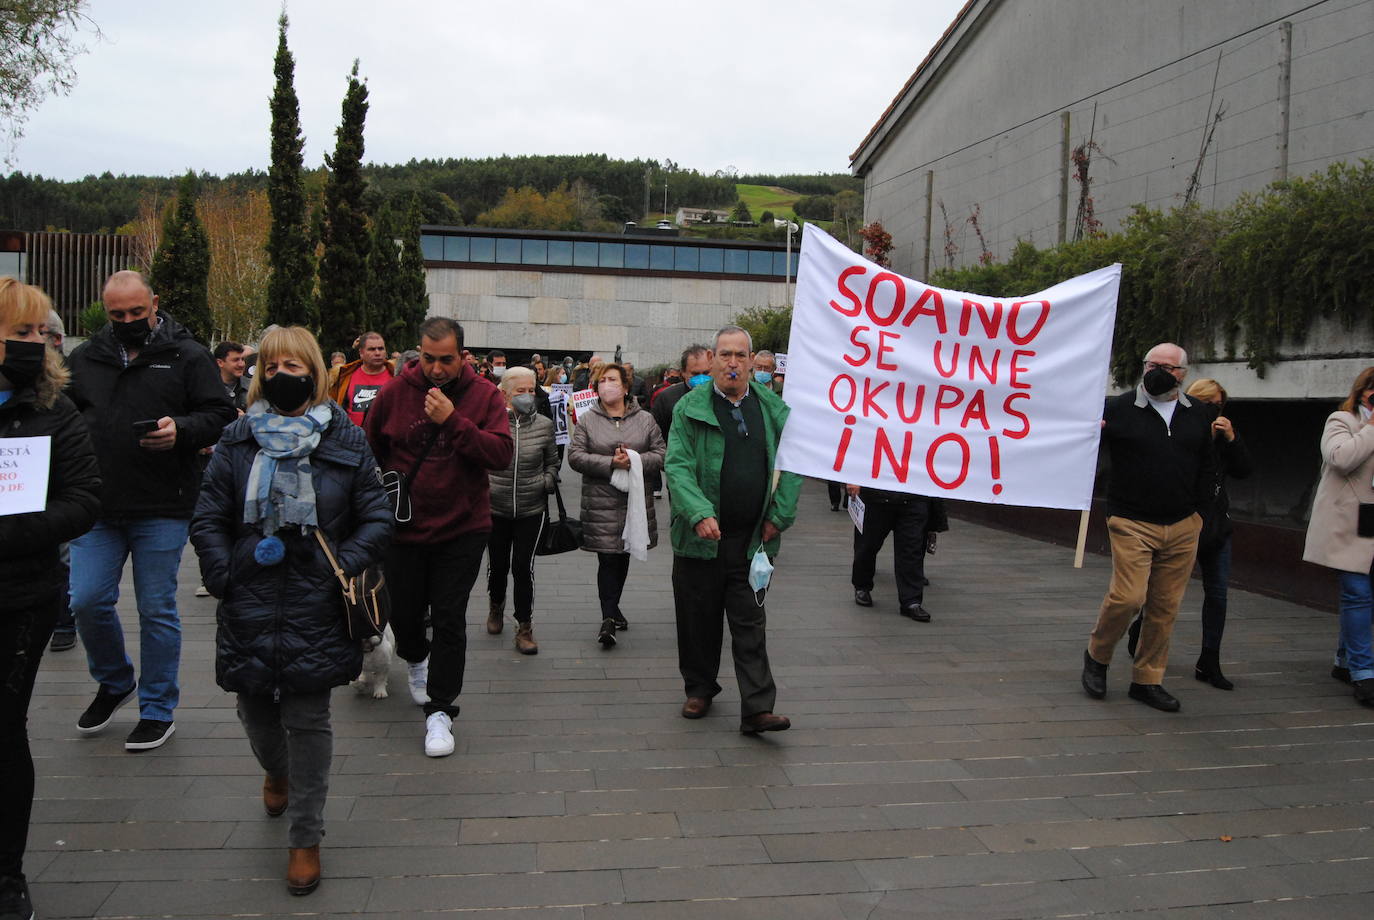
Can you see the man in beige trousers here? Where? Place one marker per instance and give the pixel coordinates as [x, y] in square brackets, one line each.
[1160, 446]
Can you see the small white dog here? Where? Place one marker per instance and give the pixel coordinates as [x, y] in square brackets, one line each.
[377, 666]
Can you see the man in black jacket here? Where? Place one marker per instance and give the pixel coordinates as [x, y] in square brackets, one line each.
[152, 398]
[1160, 446]
[696, 369]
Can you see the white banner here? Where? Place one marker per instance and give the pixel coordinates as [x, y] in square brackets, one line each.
[581, 402]
[24, 464]
[558, 402]
[902, 386]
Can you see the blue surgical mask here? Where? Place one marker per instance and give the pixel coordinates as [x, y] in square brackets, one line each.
[697, 380]
[764, 377]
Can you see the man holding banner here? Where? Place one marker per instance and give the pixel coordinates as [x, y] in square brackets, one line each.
[1160, 446]
[729, 507]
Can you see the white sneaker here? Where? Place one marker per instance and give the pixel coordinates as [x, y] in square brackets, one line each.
[418, 679]
[438, 735]
[202, 591]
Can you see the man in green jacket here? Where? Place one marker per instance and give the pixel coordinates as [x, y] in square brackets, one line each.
[727, 501]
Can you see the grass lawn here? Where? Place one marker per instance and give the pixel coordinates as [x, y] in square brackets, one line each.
[762, 198]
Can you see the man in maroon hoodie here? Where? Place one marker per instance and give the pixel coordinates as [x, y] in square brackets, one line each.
[443, 427]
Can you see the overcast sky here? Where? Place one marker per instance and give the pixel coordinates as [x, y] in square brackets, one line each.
[761, 86]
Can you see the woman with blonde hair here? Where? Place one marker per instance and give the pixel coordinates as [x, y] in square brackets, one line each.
[32, 406]
[292, 466]
[1340, 532]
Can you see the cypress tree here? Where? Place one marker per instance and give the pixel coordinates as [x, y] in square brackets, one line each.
[411, 292]
[343, 268]
[386, 312]
[290, 252]
[181, 266]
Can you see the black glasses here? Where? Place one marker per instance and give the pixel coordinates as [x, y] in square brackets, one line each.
[1151, 365]
[738, 415]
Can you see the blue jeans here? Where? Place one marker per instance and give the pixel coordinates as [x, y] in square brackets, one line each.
[97, 564]
[1215, 563]
[1353, 652]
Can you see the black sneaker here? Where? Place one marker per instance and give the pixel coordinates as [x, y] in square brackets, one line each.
[14, 898]
[62, 639]
[149, 734]
[102, 710]
[621, 624]
[607, 635]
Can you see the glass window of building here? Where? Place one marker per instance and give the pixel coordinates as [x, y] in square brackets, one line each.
[432, 247]
[661, 258]
[712, 260]
[760, 262]
[636, 256]
[483, 249]
[535, 252]
[560, 252]
[687, 259]
[737, 261]
[584, 254]
[455, 249]
[508, 251]
[612, 255]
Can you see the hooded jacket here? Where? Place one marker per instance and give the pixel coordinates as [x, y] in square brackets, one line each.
[281, 627]
[449, 493]
[521, 490]
[29, 574]
[173, 375]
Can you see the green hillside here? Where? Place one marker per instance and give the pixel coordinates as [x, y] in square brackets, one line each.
[760, 198]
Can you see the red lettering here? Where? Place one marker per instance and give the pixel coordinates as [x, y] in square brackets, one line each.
[975, 358]
[845, 438]
[867, 352]
[935, 446]
[976, 411]
[848, 294]
[870, 392]
[898, 298]
[953, 361]
[883, 447]
[990, 323]
[946, 398]
[920, 309]
[1025, 422]
[1017, 369]
[1041, 316]
[853, 393]
[886, 349]
[915, 414]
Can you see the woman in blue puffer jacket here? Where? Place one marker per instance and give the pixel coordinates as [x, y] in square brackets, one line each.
[293, 464]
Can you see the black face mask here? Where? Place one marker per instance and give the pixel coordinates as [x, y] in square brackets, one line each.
[23, 362]
[132, 334]
[1158, 381]
[288, 392]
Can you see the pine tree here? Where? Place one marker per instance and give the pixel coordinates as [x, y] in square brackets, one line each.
[343, 268]
[289, 248]
[740, 214]
[181, 267]
[411, 290]
[387, 312]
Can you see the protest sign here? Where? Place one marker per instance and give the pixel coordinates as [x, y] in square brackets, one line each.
[782, 364]
[558, 402]
[856, 512]
[902, 386]
[24, 474]
[581, 401]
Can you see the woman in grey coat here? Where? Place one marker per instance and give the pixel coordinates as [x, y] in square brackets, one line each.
[605, 433]
[519, 498]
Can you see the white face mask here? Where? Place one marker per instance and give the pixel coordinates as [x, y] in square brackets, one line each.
[497, 372]
[760, 571]
[611, 392]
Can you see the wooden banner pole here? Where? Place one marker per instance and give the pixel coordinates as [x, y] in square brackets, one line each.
[1082, 540]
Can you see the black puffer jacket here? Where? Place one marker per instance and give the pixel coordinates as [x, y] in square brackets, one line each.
[29, 542]
[522, 489]
[173, 375]
[281, 627]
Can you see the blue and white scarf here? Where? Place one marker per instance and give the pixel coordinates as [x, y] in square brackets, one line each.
[281, 493]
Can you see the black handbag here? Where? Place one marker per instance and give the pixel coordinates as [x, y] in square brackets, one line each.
[397, 484]
[367, 605]
[562, 535]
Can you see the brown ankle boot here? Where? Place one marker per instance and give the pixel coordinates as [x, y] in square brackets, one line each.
[303, 870]
[496, 618]
[274, 794]
[524, 640]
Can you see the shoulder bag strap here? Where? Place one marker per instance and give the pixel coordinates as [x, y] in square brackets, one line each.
[334, 563]
[558, 496]
[424, 452]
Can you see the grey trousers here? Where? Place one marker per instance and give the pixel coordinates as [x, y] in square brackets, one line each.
[293, 738]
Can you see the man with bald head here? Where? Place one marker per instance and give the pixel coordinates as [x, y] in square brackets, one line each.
[1159, 443]
[152, 398]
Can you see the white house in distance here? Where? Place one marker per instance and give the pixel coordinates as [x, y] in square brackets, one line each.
[685, 217]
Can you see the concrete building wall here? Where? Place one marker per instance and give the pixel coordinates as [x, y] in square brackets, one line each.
[652, 319]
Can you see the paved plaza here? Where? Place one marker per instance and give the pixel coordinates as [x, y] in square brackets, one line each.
[949, 769]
